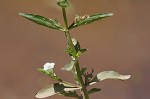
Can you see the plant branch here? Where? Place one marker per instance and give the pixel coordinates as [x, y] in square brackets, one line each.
[77, 66]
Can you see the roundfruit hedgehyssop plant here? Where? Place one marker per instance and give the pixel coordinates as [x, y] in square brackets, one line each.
[82, 78]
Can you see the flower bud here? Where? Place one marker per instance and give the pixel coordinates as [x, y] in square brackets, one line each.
[63, 3]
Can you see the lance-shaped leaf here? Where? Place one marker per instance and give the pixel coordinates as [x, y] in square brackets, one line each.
[54, 89]
[109, 75]
[43, 21]
[69, 66]
[83, 20]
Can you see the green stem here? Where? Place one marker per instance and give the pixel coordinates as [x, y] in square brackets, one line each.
[77, 66]
[66, 30]
[65, 17]
[79, 75]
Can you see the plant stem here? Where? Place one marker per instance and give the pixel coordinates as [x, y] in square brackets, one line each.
[65, 17]
[67, 34]
[77, 66]
[79, 75]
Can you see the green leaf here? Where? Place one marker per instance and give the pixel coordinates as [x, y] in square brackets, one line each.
[76, 44]
[83, 20]
[69, 66]
[109, 75]
[70, 51]
[54, 89]
[63, 3]
[93, 90]
[80, 52]
[83, 70]
[43, 21]
[50, 73]
[70, 94]
[83, 50]
[112, 75]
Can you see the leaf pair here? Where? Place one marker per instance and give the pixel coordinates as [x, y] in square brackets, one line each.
[69, 89]
[54, 24]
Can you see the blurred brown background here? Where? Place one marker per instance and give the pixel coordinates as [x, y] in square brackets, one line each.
[119, 43]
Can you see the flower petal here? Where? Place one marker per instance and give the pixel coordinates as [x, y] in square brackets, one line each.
[48, 66]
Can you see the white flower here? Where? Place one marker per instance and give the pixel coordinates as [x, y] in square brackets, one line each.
[48, 66]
